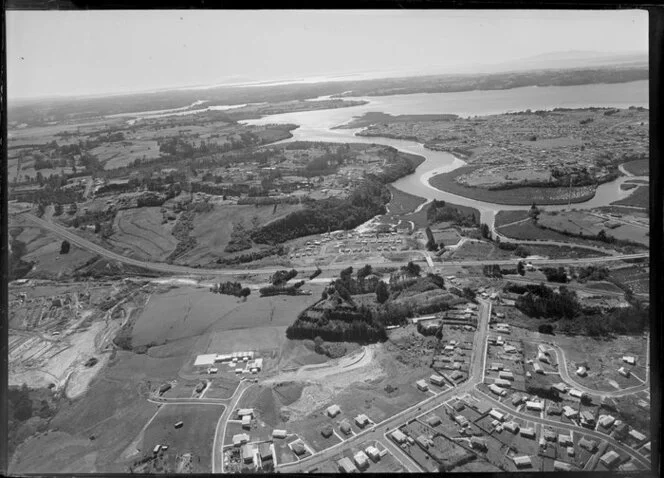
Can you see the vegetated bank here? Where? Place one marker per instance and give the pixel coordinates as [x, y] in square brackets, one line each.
[366, 200]
[359, 307]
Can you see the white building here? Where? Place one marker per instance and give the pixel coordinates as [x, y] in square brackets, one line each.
[422, 385]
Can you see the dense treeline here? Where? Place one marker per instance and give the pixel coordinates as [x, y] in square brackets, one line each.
[594, 273]
[554, 274]
[282, 289]
[439, 211]
[231, 288]
[367, 201]
[282, 276]
[549, 304]
[278, 250]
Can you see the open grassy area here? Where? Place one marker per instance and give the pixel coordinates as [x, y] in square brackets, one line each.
[403, 203]
[507, 217]
[212, 230]
[579, 222]
[639, 198]
[195, 436]
[640, 167]
[477, 251]
[517, 196]
[139, 233]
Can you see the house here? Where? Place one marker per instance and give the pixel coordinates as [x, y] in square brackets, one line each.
[511, 427]
[373, 453]
[590, 445]
[554, 410]
[528, 432]
[587, 418]
[538, 368]
[517, 399]
[265, 452]
[502, 383]
[609, 459]
[246, 421]
[245, 411]
[523, 461]
[398, 436]
[509, 349]
[333, 411]
[298, 448]
[457, 375]
[346, 466]
[362, 420]
[326, 431]
[569, 412]
[437, 380]
[279, 434]
[458, 406]
[496, 366]
[542, 358]
[478, 443]
[496, 415]
[156, 449]
[606, 420]
[247, 453]
[570, 451]
[422, 385]
[434, 421]
[240, 438]
[628, 359]
[638, 436]
[581, 371]
[576, 393]
[565, 440]
[506, 375]
[561, 466]
[423, 441]
[461, 420]
[624, 372]
[345, 428]
[537, 406]
[559, 387]
[361, 460]
[549, 435]
[497, 390]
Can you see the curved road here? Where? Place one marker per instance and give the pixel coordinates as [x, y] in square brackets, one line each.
[184, 270]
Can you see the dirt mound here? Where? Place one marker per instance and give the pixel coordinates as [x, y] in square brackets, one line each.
[288, 392]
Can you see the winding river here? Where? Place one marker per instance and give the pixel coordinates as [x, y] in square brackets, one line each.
[317, 126]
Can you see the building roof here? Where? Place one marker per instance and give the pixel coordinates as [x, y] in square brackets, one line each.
[346, 465]
[609, 458]
[561, 466]
[247, 452]
[522, 460]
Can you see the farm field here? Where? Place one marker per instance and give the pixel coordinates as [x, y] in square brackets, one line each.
[506, 217]
[562, 252]
[123, 153]
[639, 198]
[640, 167]
[212, 230]
[477, 251]
[582, 223]
[113, 411]
[517, 196]
[403, 203]
[139, 233]
[195, 435]
[43, 249]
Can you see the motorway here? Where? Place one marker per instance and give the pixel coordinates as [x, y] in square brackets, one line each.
[184, 270]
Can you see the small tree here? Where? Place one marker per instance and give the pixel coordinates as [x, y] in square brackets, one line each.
[545, 329]
[244, 293]
[57, 209]
[382, 294]
[64, 247]
[485, 231]
[521, 268]
[72, 209]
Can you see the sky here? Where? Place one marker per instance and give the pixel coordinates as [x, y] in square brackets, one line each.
[72, 53]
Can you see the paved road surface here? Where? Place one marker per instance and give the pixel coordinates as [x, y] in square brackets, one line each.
[220, 430]
[184, 270]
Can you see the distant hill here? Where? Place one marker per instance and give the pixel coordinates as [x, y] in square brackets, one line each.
[571, 59]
